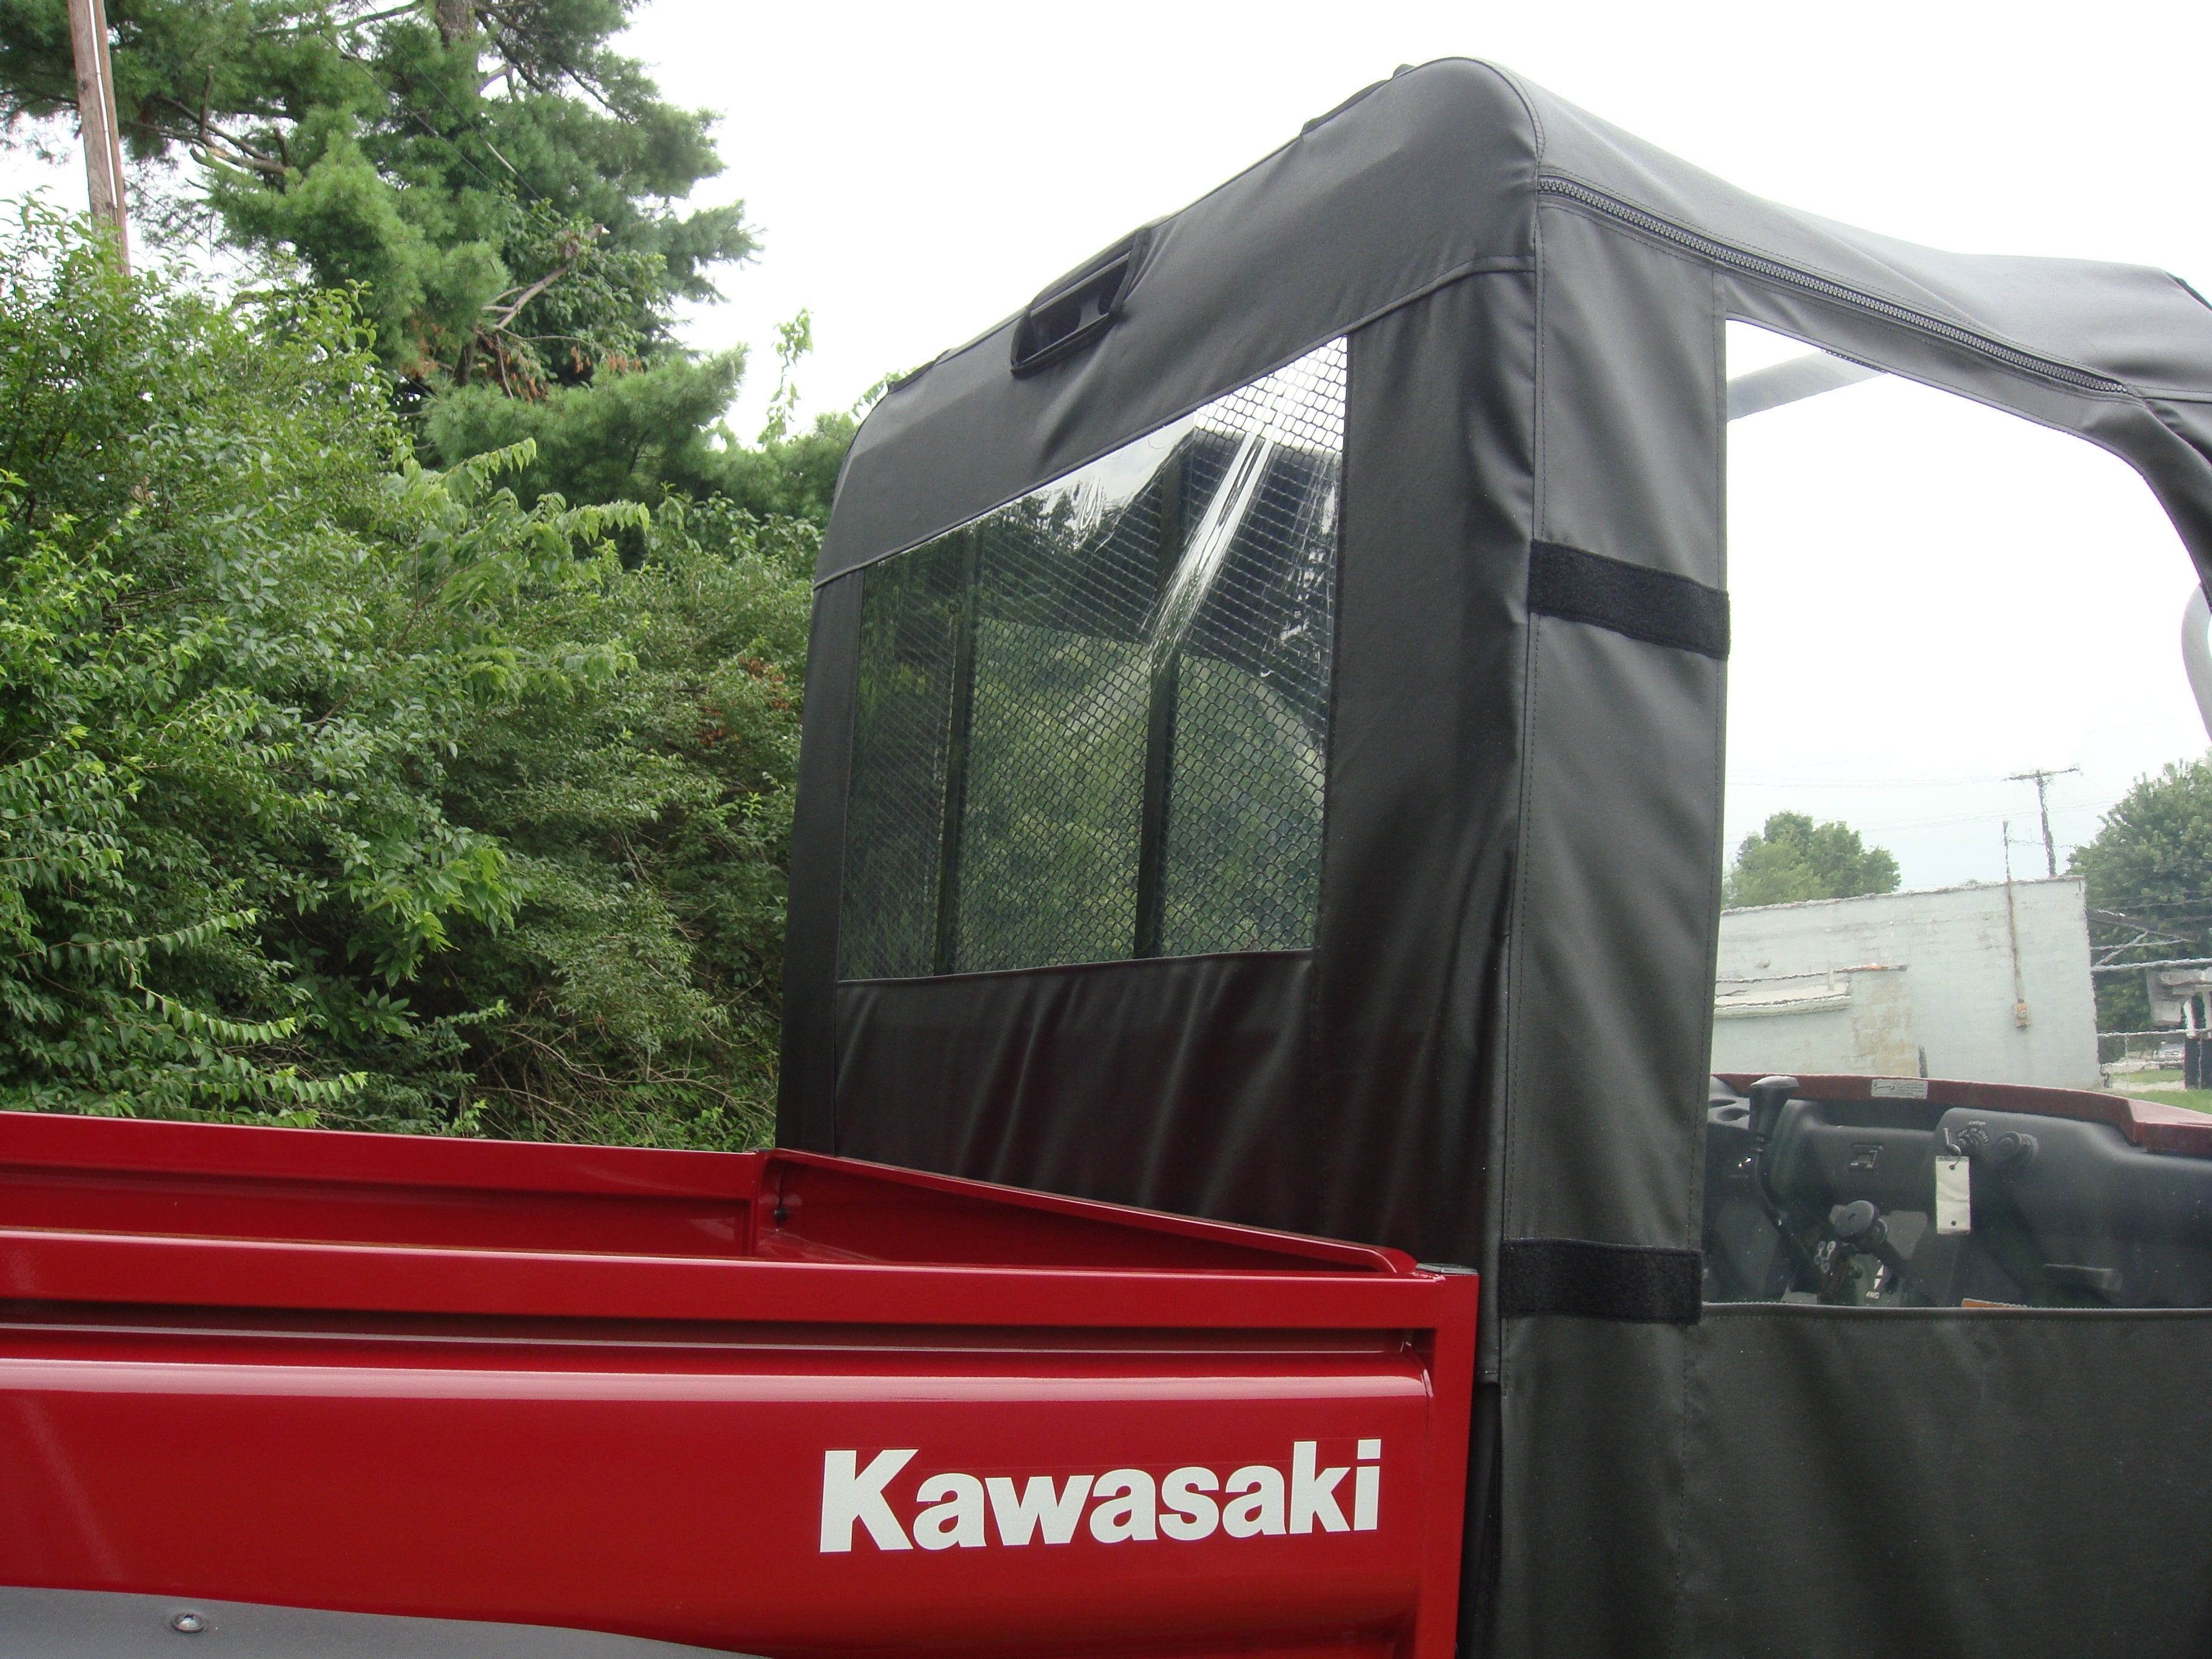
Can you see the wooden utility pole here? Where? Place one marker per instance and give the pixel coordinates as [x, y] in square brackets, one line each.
[95, 114]
[2041, 777]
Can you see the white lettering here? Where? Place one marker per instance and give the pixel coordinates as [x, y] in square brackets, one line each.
[1261, 1512]
[1124, 1505]
[1058, 1512]
[1313, 1496]
[957, 1520]
[1130, 1513]
[1191, 1514]
[848, 1497]
[1367, 1488]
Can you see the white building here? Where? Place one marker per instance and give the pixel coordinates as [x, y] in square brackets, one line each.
[1988, 982]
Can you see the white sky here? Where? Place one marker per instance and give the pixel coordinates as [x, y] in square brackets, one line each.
[1928, 596]
[918, 172]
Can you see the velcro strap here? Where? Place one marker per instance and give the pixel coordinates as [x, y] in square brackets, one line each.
[1630, 1282]
[1629, 598]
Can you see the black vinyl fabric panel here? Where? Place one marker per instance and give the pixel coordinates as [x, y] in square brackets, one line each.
[1424, 790]
[2032, 1485]
[1614, 947]
[817, 855]
[1177, 1084]
[1616, 926]
[1590, 1489]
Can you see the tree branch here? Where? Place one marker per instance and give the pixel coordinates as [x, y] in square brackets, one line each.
[274, 169]
[531, 293]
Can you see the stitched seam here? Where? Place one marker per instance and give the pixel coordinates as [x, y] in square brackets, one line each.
[1510, 1224]
[1315, 1088]
[1819, 1313]
[1675, 1619]
[1693, 1206]
[1087, 964]
[1527, 103]
[1506, 1222]
[844, 818]
[1678, 1621]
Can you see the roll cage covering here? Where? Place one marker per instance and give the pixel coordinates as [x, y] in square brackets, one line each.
[1493, 1051]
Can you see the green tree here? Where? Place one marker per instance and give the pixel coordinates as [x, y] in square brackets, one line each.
[489, 177]
[648, 822]
[2149, 877]
[1794, 858]
[492, 174]
[642, 435]
[346, 790]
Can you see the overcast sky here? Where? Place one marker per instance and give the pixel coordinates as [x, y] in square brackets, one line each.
[918, 172]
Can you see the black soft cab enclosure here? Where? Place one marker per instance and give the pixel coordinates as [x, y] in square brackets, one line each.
[1265, 758]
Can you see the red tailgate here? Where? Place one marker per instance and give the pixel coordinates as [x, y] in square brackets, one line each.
[1265, 1444]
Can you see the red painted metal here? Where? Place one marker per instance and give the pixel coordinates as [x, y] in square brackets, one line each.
[2152, 1125]
[606, 1389]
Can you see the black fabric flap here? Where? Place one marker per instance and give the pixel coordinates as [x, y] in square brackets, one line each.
[1176, 1083]
[1644, 603]
[1629, 1282]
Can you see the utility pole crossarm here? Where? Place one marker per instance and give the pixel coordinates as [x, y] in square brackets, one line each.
[95, 112]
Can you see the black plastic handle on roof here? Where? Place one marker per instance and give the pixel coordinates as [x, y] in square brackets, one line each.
[1075, 311]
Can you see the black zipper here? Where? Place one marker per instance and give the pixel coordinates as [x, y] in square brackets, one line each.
[1827, 288]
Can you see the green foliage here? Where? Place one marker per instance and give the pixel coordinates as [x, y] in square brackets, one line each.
[2149, 876]
[651, 825]
[790, 477]
[494, 177]
[334, 788]
[794, 340]
[1793, 860]
[630, 436]
[492, 185]
[643, 436]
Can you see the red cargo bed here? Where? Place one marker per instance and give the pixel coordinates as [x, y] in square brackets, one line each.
[770, 1402]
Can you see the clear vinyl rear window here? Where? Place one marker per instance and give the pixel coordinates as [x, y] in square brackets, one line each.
[1091, 725]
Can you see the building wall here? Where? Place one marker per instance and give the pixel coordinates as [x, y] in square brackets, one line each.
[1954, 943]
[1863, 1025]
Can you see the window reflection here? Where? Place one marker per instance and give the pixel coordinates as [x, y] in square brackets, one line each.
[1091, 724]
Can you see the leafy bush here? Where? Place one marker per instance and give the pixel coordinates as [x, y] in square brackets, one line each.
[337, 789]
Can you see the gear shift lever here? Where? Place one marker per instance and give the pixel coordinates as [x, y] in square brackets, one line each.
[1768, 1097]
